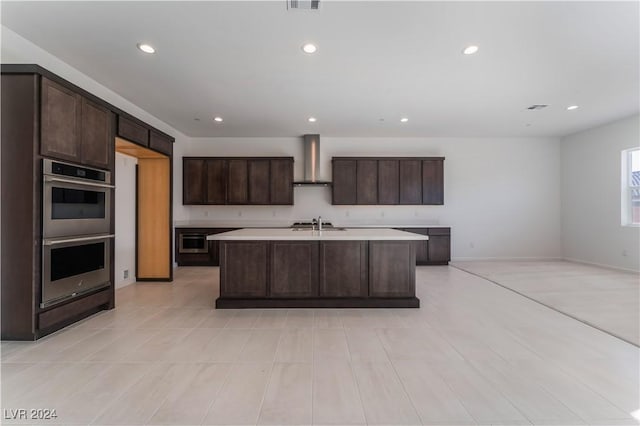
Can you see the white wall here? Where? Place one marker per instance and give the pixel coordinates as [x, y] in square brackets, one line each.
[591, 200]
[125, 198]
[502, 196]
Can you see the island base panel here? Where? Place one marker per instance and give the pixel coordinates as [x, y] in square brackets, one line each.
[405, 302]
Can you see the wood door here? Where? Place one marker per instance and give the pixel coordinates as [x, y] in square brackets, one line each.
[392, 269]
[216, 181]
[97, 135]
[61, 109]
[259, 182]
[388, 182]
[410, 182]
[237, 183]
[281, 181]
[294, 269]
[343, 269]
[421, 246]
[433, 182]
[243, 268]
[344, 182]
[367, 182]
[193, 180]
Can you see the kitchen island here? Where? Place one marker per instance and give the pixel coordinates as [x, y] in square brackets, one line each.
[338, 267]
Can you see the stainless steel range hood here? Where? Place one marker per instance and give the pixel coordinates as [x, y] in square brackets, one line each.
[311, 162]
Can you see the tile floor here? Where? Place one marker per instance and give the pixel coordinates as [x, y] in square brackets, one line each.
[475, 353]
[605, 298]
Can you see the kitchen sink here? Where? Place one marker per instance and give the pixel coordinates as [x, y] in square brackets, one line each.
[323, 229]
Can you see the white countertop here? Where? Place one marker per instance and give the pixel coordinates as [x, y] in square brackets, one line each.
[288, 234]
[279, 224]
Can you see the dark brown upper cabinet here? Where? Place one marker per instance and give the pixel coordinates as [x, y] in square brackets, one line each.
[238, 180]
[259, 182]
[388, 180]
[433, 181]
[281, 182]
[160, 143]
[96, 147]
[133, 131]
[237, 183]
[75, 128]
[216, 181]
[367, 182]
[193, 176]
[61, 109]
[410, 182]
[344, 181]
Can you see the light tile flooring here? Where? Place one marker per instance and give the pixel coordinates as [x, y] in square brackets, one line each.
[474, 353]
[605, 298]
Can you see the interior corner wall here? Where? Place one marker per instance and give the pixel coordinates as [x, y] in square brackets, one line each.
[591, 196]
[502, 195]
[125, 199]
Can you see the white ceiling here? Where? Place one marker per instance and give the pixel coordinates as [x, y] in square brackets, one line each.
[375, 60]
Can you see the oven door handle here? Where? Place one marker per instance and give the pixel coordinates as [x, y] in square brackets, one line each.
[48, 178]
[50, 242]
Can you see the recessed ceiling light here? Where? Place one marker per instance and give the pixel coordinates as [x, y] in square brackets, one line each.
[218, 119]
[470, 50]
[309, 48]
[312, 119]
[146, 48]
[572, 107]
[404, 119]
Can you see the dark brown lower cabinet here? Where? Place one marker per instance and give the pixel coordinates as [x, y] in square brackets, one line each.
[435, 251]
[392, 270]
[311, 274]
[439, 246]
[344, 269]
[244, 268]
[294, 269]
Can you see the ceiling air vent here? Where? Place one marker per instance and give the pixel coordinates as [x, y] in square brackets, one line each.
[303, 4]
[537, 107]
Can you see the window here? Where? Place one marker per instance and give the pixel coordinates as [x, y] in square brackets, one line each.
[631, 187]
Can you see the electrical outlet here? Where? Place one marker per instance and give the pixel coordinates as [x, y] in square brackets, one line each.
[347, 213]
[206, 213]
[472, 244]
[381, 214]
[273, 213]
[125, 275]
[624, 253]
[239, 213]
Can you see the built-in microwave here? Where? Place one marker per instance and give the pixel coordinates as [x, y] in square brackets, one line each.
[193, 243]
[76, 200]
[74, 266]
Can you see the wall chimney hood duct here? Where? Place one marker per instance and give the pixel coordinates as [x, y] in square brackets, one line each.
[311, 162]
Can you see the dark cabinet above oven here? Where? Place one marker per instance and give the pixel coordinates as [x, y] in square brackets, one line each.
[75, 128]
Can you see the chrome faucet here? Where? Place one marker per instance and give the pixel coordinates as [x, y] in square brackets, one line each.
[314, 223]
[319, 223]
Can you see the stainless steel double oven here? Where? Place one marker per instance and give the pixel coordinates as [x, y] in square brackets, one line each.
[76, 230]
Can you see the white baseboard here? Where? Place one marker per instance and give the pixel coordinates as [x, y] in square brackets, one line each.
[600, 265]
[497, 259]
